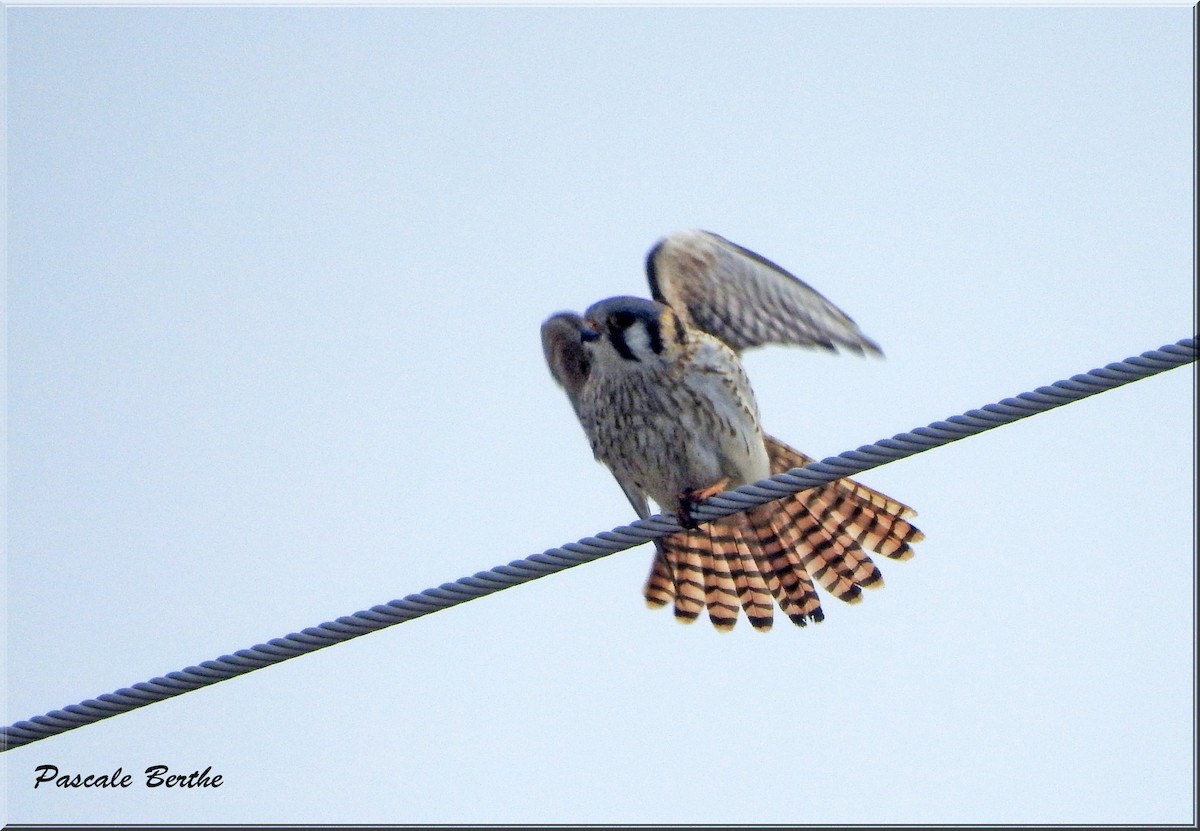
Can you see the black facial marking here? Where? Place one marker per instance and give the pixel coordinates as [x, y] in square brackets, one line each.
[654, 330]
[680, 334]
[617, 338]
[621, 320]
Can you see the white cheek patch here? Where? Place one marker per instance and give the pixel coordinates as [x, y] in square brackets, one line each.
[638, 341]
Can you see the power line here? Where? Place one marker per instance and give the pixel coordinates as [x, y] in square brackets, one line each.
[588, 549]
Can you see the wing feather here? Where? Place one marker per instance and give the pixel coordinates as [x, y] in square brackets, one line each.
[745, 299]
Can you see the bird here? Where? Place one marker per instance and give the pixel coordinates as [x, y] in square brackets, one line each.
[661, 393]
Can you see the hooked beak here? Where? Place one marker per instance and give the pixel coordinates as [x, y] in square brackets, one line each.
[589, 332]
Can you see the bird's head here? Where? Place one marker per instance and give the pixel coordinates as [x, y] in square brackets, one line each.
[632, 329]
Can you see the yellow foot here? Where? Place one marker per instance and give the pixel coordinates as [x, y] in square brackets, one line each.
[690, 498]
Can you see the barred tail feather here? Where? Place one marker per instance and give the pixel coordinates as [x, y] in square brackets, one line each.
[779, 550]
[688, 574]
[757, 598]
[834, 559]
[851, 510]
[788, 581]
[840, 506]
[720, 589]
[742, 561]
[660, 585]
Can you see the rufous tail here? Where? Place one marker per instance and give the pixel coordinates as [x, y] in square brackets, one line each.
[779, 550]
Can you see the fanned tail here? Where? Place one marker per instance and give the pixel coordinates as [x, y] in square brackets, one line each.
[779, 549]
[775, 546]
[714, 567]
[849, 509]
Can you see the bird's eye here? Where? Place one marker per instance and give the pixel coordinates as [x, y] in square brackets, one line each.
[621, 320]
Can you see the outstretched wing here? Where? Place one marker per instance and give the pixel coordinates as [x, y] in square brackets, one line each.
[569, 364]
[745, 299]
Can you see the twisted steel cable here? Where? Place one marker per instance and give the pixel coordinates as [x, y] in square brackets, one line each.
[588, 549]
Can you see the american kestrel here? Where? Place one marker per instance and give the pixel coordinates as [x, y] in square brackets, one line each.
[663, 398]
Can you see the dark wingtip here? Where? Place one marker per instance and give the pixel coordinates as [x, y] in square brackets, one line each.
[863, 347]
[870, 347]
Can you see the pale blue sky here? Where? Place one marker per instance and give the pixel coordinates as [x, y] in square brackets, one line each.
[275, 278]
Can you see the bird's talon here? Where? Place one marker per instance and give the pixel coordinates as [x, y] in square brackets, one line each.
[692, 497]
[686, 502]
